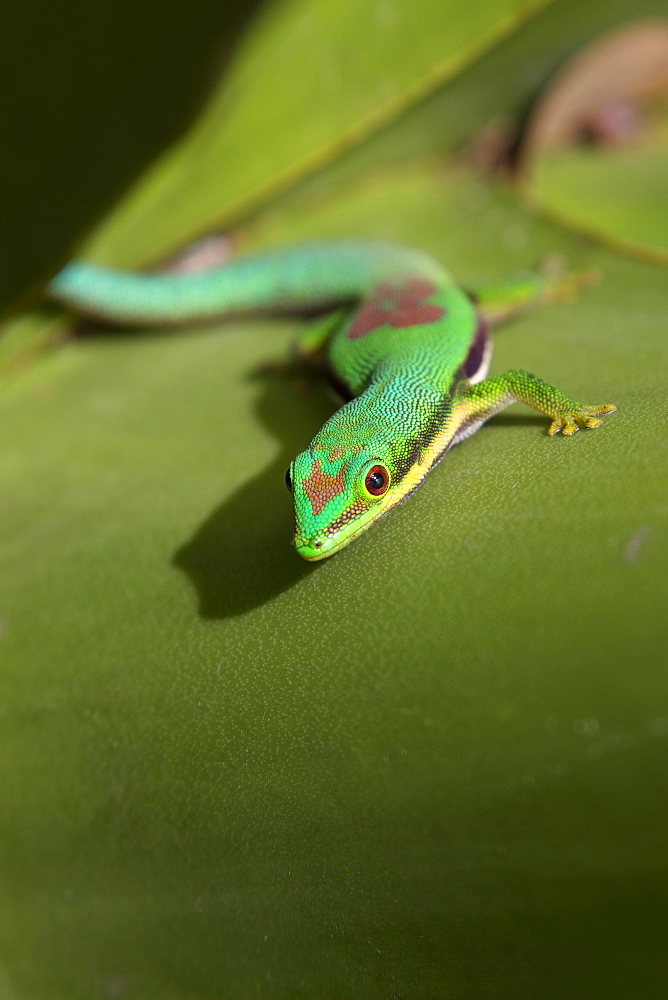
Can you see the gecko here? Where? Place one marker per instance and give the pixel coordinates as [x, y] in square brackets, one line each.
[406, 348]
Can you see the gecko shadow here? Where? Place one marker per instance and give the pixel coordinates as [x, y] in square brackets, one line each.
[240, 557]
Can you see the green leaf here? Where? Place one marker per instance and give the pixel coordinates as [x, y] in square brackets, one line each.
[432, 766]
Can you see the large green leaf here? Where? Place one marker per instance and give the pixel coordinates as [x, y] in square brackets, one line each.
[432, 766]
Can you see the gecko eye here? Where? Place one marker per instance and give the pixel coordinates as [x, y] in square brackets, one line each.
[288, 479]
[377, 480]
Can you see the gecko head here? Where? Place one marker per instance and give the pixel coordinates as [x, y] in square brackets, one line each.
[337, 494]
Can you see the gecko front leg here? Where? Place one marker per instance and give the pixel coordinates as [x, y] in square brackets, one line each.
[479, 402]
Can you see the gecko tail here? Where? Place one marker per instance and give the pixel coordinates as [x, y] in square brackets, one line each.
[302, 277]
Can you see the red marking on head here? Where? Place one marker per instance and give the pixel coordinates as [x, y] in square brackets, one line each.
[320, 486]
[397, 305]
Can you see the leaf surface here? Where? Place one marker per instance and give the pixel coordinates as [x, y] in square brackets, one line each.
[431, 763]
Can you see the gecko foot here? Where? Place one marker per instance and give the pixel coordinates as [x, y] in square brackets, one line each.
[589, 416]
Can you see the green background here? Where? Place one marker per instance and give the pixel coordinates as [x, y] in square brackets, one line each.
[433, 766]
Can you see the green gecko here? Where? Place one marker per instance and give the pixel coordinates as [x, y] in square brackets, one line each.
[405, 346]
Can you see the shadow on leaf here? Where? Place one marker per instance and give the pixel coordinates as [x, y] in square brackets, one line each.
[241, 556]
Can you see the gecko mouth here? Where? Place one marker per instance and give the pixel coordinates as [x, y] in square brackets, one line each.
[317, 548]
[321, 546]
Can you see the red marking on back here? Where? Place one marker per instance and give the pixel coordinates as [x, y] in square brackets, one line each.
[397, 305]
[320, 486]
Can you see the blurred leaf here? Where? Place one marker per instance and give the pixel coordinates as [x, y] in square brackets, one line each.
[628, 66]
[91, 92]
[344, 87]
[430, 767]
[312, 79]
[609, 93]
[617, 194]
[492, 94]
